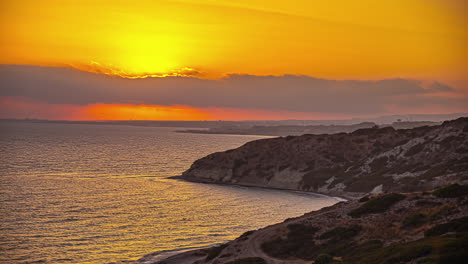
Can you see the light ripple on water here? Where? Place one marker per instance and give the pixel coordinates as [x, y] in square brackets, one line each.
[97, 194]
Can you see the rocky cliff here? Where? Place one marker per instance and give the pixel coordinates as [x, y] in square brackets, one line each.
[423, 227]
[350, 165]
[282, 130]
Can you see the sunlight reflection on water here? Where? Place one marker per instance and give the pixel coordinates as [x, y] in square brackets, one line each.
[98, 193]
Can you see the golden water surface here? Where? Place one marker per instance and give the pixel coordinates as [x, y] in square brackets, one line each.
[98, 193]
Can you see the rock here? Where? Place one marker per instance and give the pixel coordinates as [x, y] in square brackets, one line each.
[349, 165]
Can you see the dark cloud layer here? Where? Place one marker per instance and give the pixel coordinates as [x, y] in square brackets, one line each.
[289, 92]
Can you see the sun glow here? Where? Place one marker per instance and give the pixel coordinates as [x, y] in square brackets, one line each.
[21, 108]
[152, 53]
[362, 39]
[142, 112]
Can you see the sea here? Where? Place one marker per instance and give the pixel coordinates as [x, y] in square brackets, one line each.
[92, 193]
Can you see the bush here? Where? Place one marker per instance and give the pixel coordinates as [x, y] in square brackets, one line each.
[364, 199]
[299, 243]
[377, 205]
[395, 253]
[409, 253]
[452, 191]
[341, 233]
[455, 225]
[454, 252]
[414, 220]
[323, 259]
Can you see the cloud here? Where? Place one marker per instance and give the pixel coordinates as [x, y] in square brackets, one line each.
[440, 87]
[96, 67]
[288, 93]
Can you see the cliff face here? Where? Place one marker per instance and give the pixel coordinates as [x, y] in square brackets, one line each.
[424, 227]
[346, 164]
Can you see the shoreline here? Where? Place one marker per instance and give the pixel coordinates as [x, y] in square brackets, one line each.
[166, 254]
[188, 253]
[336, 197]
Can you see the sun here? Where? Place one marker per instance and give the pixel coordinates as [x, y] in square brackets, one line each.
[148, 54]
[141, 56]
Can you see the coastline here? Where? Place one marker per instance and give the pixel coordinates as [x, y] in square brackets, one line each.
[193, 253]
[185, 253]
[195, 180]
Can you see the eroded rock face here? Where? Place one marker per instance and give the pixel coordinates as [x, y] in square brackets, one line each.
[346, 164]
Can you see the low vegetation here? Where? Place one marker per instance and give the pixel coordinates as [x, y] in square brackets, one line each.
[452, 191]
[377, 205]
[323, 259]
[415, 220]
[341, 233]
[298, 243]
[433, 250]
[444, 242]
[455, 225]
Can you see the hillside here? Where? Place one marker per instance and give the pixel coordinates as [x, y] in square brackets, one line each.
[422, 227]
[282, 130]
[372, 160]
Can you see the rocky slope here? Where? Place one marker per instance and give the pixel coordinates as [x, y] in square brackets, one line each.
[350, 165]
[423, 227]
[282, 130]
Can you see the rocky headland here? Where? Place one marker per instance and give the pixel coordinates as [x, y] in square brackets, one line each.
[296, 130]
[350, 165]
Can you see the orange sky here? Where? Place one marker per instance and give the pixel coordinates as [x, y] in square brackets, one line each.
[335, 39]
[328, 39]
[20, 108]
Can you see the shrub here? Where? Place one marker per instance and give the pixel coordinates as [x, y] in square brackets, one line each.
[323, 259]
[299, 243]
[377, 205]
[393, 254]
[341, 233]
[407, 254]
[455, 225]
[454, 252]
[414, 220]
[451, 191]
[364, 199]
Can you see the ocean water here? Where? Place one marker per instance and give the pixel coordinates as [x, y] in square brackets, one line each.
[74, 193]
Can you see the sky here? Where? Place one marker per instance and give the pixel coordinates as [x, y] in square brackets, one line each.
[231, 60]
